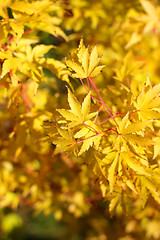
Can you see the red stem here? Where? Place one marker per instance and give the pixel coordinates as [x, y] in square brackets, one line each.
[90, 127]
[106, 108]
[88, 138]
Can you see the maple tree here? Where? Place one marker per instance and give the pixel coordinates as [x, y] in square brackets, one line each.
[80, 125]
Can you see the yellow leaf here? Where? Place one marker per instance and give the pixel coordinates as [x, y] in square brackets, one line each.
[152, 188]
[97, 140]
[87, 142]
[41, 49]
[74, 105]
[6, 54]
[86, 106]
[132, 163]
[138, 140]
[82, 132]
[83, 63]
[123, 123]
[109, 157]
[77, 68]
[96, 71]
[94, 60]
[149, 8]
[135, 38]
[85, 146]
[113, 203]
[112, 171]
[156, 147]
[85, 57]
[135, 127]
[14, 80]
[81, 49]
[103, 188]
[144, 191]
[64, 133]
[131, 186]
[68, 115]
[17, 28]
[8, 65]
[100, 166]
[91, 115]
[151, 94]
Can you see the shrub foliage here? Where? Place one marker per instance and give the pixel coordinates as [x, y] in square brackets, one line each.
[80, 125]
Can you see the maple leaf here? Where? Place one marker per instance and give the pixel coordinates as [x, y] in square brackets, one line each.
[128, 133]
[151, 187]
[84, 63]
[114, 203]
[77, 115]
[148, 103]
[64, 143]
[112, 171]
[156, 147]
[128, 68]
[151, 18]
[92, 135]
[133, 164]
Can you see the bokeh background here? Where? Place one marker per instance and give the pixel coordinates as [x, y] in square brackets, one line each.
[53, 197]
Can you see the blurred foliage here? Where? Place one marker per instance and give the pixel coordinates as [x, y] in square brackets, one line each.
[44, 195]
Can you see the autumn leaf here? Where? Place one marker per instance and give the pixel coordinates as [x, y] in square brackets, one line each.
[85, 62]
[65, 142]
[128, 133]
[77, 114]
[148, 103]
[133, 164]
[112, 172]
